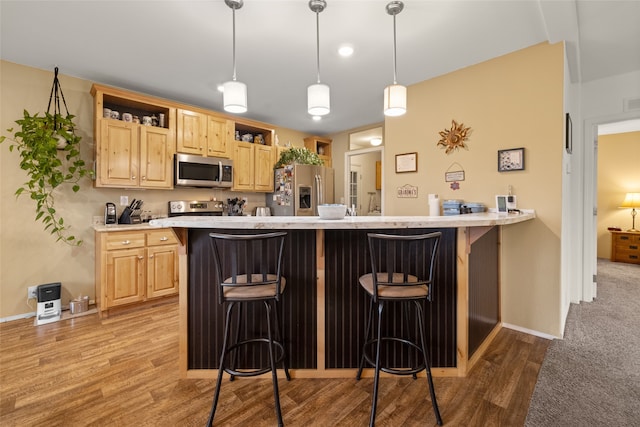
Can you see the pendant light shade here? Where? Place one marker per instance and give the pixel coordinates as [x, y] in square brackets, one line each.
[318, 99]
[318, 95]
[234, 98]
[395, 100]
[395, 95]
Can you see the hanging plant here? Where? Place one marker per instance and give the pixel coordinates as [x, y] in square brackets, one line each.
[50, 155]
[300, 156]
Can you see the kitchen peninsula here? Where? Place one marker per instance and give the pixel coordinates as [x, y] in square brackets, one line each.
[322, 307]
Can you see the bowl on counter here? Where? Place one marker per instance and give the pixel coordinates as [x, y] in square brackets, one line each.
[332, 211]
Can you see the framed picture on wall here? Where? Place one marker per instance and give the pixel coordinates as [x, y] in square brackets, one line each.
[568, 143]
[407, 162]
[511, 160]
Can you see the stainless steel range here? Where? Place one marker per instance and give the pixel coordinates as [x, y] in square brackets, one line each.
[195, 207]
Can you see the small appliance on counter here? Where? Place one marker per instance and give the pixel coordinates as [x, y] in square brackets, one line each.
[110, 216]
[131, 214]
[49, 303]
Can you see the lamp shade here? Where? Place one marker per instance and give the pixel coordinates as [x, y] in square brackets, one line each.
[395, 100]
[631, 200]
[234, 97]
[318, 99]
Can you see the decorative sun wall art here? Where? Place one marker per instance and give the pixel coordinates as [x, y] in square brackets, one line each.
[454, 138]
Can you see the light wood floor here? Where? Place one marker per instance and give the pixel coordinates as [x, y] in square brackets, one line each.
[123, 371]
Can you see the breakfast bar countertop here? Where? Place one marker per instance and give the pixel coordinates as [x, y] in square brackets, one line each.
[350, 222]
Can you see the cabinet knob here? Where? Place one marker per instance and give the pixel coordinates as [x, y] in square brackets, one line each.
[140, 257]
[164, 238]
[150, 256]
[133, 177]
[144, 178]
[126, 242]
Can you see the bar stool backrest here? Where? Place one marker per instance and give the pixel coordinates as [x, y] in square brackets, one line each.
[403, 260]
[248, 260]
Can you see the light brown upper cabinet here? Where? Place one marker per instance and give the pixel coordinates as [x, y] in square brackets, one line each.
[204, 134]
[320, 146]
[129, 154]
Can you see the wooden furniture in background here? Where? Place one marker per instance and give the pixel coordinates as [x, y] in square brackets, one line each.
[625, 247]
[378, 175]
[133, 267]
[320, 146]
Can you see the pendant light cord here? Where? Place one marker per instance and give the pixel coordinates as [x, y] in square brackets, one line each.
[318, 43]
[234, 43]
[395, 66]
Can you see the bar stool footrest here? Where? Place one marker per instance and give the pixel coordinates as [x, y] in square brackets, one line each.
[252, 372]
[395, 371]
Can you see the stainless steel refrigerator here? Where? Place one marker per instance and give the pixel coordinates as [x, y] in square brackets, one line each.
[299, 189]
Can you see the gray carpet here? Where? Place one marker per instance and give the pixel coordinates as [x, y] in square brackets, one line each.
[592, 376]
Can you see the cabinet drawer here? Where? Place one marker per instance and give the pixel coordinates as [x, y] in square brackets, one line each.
[124, 240]
[163, 236]
[627, 239]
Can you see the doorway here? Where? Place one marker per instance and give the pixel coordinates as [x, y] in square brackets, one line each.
[364, 173]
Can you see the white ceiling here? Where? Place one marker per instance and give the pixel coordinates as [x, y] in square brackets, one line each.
[182, 49]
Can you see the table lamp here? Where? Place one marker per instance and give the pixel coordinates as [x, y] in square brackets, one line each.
[632, 200]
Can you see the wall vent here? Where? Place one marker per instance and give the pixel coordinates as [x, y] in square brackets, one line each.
[631, 104]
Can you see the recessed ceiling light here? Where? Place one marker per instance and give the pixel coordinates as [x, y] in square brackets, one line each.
[317, 118]
[345, 51]
[376, 141]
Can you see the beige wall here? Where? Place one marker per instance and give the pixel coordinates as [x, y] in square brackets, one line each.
[30, 256]
[618, 174]
[512, 101]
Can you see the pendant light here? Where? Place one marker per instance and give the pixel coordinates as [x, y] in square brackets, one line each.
[234, 96]
[395, 95]
[318, 95]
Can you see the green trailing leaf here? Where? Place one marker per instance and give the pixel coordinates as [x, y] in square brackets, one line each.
[298, 155]
[48, 167]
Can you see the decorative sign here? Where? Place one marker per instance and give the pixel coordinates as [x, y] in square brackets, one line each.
[454, 174]
[407, 191]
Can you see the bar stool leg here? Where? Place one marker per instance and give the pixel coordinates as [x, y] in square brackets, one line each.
[216, 394]
[274, 375]
[405, 309]
[280, 338]
[427, 363]
[366, 338]
[374, 404]
[234, 356]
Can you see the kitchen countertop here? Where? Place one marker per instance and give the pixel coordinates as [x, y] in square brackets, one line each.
[103, 228]
[356, 222]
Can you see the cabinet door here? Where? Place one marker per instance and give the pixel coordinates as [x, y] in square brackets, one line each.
[125, 276]
[162, 271]
[156, 155]
[263, 175]
[192, 132]
[243, 166]
[117, 154]
[219, 137]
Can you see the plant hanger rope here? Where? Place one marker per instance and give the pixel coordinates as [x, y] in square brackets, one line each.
[56, 90]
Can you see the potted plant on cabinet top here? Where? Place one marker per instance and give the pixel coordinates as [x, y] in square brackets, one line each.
[300, 156]
[50, 155]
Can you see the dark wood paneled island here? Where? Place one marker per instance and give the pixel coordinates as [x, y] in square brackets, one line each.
[323, 307]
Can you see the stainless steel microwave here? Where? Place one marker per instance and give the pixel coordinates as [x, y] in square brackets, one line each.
[198, 171]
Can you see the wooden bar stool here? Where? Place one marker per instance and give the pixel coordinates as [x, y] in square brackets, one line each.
[249, 270]
[401, 271]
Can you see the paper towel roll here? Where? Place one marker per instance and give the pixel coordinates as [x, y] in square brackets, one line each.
[434, 207]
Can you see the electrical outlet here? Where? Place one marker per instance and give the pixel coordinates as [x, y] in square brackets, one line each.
[32, 292]
[124, 200]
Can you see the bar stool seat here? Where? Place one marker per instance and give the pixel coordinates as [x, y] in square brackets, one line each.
[248, 269]
[402, 270]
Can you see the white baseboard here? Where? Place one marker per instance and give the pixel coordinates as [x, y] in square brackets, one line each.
[18, 317]
[530, 331]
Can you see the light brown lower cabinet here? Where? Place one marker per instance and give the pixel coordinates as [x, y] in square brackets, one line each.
[135, 267]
